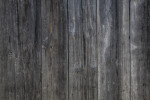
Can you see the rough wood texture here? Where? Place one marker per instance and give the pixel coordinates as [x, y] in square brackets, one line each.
[74, 49]
[82, 50]
[54, 50]
[108, 53]
[20, 50]
[8, 47]
[77, 71]
[139, 50]
[124, 49]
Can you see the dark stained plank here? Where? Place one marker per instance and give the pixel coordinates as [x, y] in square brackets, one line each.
[82, 50]
[108, 70]
[124, 49]
[8, 49]
[139, 50]
[54, 50]
[28, 66]
[147, 85]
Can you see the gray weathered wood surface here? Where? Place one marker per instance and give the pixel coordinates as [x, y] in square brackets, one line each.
[74, 50]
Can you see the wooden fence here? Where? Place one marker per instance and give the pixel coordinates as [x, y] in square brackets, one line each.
[74, 49]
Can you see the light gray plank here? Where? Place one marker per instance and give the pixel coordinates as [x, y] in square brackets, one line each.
[82, 50]
[89, 23]
[77, 76]
[108, 70]
[138, 44]
[124, 49]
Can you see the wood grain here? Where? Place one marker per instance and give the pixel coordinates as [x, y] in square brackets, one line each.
[82, 50]
[74, 49]
[28, 68]
[54, 50]
[139, 50]
[124, 59]
[108, 50]
[8, 49]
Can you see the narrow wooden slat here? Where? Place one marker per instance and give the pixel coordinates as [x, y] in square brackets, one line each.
[89, 31]
[46, 6]
[54, 50]
[8, 49]
[77, 78]
[82, 50]
[108, 70]
[28, 66]
[124, 49]
[138, 44]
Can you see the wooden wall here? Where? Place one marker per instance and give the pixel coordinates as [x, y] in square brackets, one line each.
[74, 49]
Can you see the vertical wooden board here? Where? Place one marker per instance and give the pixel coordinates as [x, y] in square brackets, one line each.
[89, 23]
[3, 48]
[2, 57]
[82, 50]
[77, 77]
[28, 67]
[138, 44]
[124, 49]
[108, 71]
[8, 47]
[46, 12]
[54, 50]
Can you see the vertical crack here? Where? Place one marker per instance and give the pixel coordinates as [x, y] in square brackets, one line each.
[130, 48]
[68, 42]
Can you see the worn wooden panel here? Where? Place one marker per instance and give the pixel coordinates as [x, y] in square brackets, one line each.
[8, 47]
[77, 71]
[28, 67]
[46, 69]
[108, 73]
[74, 49]
[124, 49]
[139, 50]
[54, 50]
[20, 50]
[82, 50]
[90, 47]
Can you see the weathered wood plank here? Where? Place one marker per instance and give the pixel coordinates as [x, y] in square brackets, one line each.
[74, 49]
[77, 77]
[82, 50]
[124, 49]
[138, 43]
[28, 66]
[54, 50]
[8, 47]
[108, 70]
[46, 6]
[89, 31]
